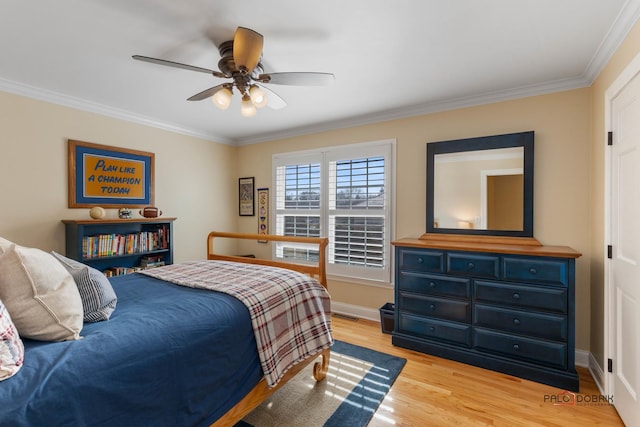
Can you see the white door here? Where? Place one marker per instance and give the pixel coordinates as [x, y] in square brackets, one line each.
[625, 263]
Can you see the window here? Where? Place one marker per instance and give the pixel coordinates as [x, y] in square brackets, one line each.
[342, 193]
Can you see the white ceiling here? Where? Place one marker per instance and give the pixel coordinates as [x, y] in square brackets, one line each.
[391, 59]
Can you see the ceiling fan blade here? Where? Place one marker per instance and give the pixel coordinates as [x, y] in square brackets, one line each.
[297, 79]
[274, 100]
[178, 65]
[206, 93]
[247, 48]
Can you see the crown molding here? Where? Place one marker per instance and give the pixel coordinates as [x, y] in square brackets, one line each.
[400, 113]
[104, 110]
[426, 108]
[624, 22]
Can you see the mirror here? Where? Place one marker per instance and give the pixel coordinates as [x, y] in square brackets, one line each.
[481, 185]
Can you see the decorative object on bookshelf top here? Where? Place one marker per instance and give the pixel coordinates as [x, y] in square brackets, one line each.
[150, 212]
[124, 213]
[97, 212]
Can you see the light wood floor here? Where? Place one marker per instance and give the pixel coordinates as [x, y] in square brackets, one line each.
[431, 391]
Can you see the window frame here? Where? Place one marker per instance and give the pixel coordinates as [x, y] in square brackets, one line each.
[383, 148]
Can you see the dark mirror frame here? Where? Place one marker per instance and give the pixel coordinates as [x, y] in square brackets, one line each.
[522, 139]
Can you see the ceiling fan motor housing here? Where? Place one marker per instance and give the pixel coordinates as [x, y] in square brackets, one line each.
[227, 65]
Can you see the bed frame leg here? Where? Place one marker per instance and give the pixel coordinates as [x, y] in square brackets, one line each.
[321, 368]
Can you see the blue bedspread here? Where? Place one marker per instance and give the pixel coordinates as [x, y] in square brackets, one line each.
[169, 356]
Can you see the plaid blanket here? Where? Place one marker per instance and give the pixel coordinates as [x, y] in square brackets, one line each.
[290, 311]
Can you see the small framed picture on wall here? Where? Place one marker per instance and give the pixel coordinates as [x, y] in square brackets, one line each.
[245, 197]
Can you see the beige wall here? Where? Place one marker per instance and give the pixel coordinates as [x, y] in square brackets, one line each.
[194, 179]
[561, 183]
[629, 49]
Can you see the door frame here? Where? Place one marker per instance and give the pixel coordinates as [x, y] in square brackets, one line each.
[484, 175]
[624, 78]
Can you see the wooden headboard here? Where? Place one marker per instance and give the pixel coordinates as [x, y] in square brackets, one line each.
[317, 270]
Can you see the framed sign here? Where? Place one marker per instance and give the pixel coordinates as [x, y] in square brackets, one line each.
[263, 212]
[100, 175]
[245, 197]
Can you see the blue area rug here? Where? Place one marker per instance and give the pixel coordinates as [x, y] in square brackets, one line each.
[358, 380]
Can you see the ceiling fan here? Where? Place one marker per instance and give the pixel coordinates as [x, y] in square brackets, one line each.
[240, 62]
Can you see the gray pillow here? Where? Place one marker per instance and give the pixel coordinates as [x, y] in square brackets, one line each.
[97, 295]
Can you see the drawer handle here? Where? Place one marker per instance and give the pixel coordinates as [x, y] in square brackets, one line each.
[432, 284]
[420, 260]
[432, 306]
[532, 270]
[516, 321]
[516, 296]
[516, 347]
[471, 266]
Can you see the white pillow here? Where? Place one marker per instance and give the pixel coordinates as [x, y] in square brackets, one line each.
[97, 295]
[11, 347]
[40, 294]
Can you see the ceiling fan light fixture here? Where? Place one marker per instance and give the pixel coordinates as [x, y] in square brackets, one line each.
[247, 109]
[240, 61]
[222, 98]
[258, 97]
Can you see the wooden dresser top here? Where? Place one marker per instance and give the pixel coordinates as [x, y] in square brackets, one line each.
[504, 245]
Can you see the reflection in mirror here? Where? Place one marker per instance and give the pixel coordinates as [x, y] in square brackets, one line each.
[479, 189]
[481, 185]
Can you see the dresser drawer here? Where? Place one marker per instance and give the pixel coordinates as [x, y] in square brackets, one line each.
[435, 329]
[539, 325]
[433, 284]
[539, 270]
[443, 308]
[525, 296]
[473, 264]
[421, 260]
[538, 351]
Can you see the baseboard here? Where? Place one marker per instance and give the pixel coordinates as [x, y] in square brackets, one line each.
[597, 373]
[355, 311]
[583, 358]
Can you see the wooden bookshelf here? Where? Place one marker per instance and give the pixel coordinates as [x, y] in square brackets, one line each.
[119, 246]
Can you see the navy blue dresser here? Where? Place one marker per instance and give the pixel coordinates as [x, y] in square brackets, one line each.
[508, 308]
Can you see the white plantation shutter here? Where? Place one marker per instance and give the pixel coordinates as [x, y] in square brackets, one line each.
[341, 193]
[359, 211]
[298, 204]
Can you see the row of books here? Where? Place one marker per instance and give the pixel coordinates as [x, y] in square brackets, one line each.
[119, 271]
[145, 262]
[104, 245]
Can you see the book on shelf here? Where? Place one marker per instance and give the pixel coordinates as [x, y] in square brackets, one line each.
[151, 261]
[119, 271]
[105, 245]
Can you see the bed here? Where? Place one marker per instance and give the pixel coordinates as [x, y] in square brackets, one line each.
[171, 354]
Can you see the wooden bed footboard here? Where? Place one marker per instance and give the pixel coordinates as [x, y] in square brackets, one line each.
[318, 270]
[261, 391]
